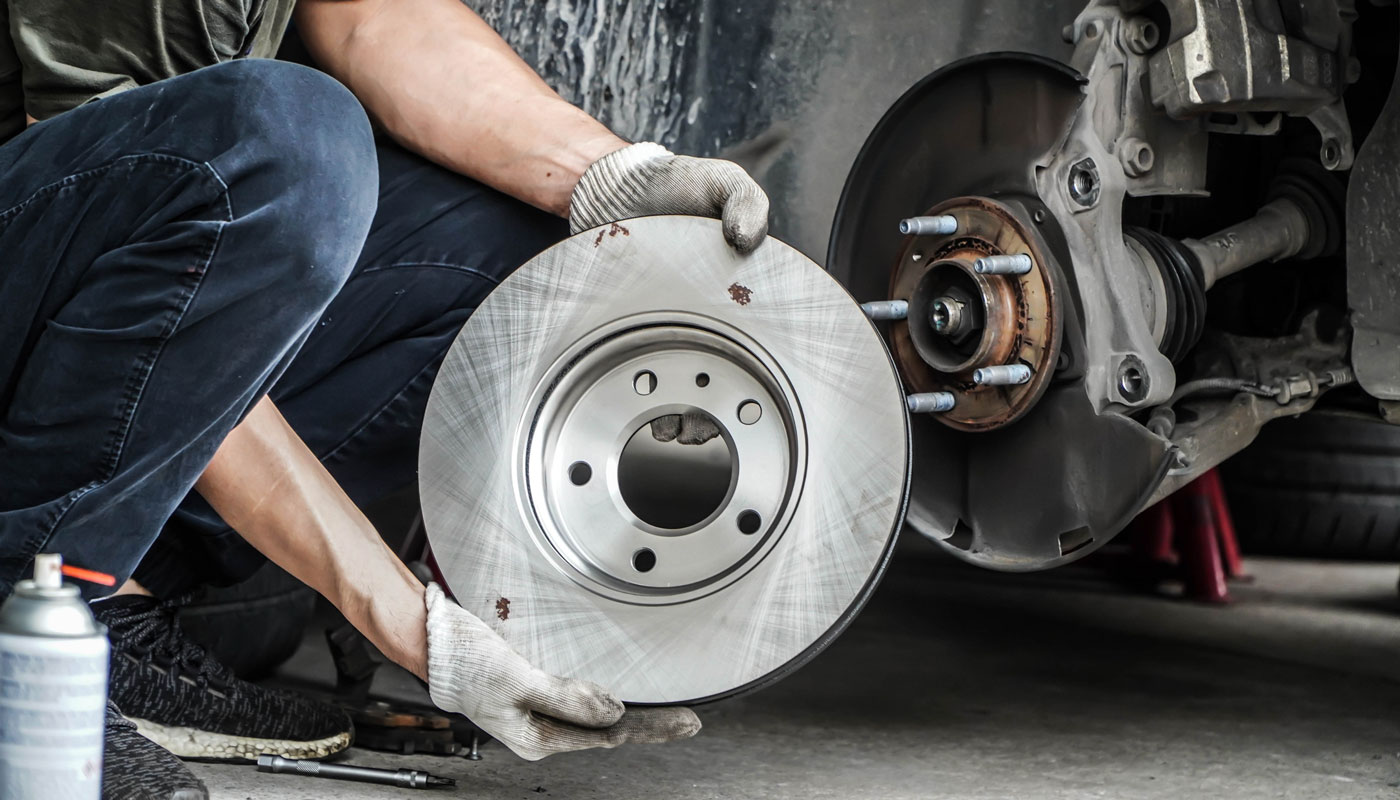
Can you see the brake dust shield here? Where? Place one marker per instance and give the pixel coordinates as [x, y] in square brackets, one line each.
[1064, 478]
[669, 573]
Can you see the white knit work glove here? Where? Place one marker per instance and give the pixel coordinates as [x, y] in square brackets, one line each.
[645, 179]
[472, 671]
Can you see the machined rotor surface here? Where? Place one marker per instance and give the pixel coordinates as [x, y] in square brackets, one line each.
[666, 572]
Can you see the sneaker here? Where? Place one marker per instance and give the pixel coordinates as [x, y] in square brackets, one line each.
[135, 768]
[195, 707]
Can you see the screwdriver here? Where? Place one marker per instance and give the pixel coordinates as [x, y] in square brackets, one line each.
[403, 778]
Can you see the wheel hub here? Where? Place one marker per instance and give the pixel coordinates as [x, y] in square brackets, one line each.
[962, 319]
[1091, 470]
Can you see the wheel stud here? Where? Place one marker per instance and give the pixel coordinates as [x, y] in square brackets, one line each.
[886, 309]
[1002, 375]
[930, 402]
[929, 226]
[1018, 264]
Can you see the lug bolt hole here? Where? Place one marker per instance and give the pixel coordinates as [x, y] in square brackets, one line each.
[749, 522]
[750, 412]
[580, 473]
[644, 382]
[702, 380]
[643, 560]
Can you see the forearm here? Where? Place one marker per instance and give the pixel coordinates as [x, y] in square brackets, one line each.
[271, 489]
[444, 84]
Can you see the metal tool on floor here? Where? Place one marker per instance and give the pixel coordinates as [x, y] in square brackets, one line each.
[402, 778]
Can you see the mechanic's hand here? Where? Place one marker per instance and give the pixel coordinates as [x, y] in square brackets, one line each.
[472, 671]
[692, 427]
[646, 178]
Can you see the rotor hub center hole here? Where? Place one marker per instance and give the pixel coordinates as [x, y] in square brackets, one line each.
[670, 485]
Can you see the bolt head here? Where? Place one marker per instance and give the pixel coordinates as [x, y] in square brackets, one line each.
[1133, 381]
[1331, 154]
[1137, 156]
[1140, 35]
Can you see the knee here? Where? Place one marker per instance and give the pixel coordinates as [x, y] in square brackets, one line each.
[278, 107]
[303, 133]
[302, 156]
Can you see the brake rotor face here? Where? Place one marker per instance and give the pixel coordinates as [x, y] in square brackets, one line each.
[669, 573]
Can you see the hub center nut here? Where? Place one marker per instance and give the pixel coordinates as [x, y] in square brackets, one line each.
[946, 315]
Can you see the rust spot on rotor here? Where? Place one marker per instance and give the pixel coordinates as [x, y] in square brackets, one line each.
[611, 231]
[740, 294]
[503, 609]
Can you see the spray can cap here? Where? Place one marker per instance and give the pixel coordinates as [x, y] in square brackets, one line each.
[46, 606]
[48, 571]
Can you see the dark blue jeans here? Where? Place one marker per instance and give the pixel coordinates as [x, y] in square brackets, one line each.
[171, 254]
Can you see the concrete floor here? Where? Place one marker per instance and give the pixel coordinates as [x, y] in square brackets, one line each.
[958, 683]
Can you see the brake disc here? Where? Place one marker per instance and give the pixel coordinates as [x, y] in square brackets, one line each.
[668, 572]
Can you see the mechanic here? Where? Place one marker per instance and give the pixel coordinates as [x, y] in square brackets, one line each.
[224, 304]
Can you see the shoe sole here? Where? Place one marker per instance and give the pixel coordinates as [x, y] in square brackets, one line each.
[205, 745]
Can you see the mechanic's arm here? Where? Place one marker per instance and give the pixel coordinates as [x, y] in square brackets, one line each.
[445, 85]
[268, 486]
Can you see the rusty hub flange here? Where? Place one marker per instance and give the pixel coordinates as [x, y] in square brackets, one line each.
[1009, 319]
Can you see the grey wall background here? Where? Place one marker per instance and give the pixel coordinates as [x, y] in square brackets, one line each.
[789, 89]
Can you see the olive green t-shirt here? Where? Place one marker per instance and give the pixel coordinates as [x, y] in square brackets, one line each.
[59, 54]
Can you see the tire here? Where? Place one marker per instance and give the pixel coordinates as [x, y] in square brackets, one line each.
[1319, 486]
[253, 626]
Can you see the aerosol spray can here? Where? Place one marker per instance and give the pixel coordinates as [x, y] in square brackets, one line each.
[53, 690]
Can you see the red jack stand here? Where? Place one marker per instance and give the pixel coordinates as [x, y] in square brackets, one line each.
[1190, 536]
